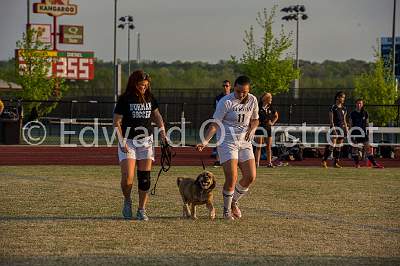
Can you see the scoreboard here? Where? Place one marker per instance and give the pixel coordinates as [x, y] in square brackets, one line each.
[64, 64]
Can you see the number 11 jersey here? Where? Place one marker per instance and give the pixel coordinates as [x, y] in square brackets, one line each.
[235, 116]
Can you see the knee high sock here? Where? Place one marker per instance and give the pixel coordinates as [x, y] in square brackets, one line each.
[371, 159]
[328, 150]
[356, 158]
[239, 192]
[228, 195]
[336, 154]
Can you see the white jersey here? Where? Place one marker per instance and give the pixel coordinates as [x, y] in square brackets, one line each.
[234, 116]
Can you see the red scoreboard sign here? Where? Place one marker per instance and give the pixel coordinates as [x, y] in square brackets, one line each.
[64, 64]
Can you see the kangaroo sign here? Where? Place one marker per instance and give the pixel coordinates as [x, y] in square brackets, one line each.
[55, 8]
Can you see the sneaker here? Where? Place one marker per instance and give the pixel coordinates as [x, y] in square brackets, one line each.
[141, 215]
[337, 165]
[270, 165]
[280, 164]
[127, 209]
[236, 212]
[324, 164]
[379, 166]
[217, 164]
[228, 215]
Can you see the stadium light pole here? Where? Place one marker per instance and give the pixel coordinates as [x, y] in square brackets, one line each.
[28, 15]
[297, 13]
[115, 54]
[128, 22]
[394, 41]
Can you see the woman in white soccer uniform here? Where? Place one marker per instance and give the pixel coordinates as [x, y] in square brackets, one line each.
[236, 119]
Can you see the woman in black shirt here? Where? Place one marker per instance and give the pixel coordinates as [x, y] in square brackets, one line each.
[267, 117]
[338, 129]
[133, 114]
[359, 122]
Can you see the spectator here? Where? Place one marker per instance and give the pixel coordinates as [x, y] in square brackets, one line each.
[267, 117]
[226, 86]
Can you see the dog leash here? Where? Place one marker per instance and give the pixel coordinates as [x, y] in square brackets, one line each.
[165, 161]
[201, 159]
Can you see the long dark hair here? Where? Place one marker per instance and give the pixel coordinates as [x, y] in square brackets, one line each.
[339, 94]
[134, 79]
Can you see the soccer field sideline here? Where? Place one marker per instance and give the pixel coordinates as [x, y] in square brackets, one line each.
[71, 215]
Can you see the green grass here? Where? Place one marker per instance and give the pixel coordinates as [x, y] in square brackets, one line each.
[71, 215]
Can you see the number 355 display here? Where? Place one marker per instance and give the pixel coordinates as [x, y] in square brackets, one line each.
[65, 64]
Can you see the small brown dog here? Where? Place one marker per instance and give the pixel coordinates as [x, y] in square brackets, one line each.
[197, 192]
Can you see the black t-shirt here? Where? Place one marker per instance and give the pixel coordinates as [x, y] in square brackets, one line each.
[338, 115]
[219, 97]
[266, 114]
[135, 114]
[359, 119]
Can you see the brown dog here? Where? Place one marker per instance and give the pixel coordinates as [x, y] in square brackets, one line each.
[197, 192]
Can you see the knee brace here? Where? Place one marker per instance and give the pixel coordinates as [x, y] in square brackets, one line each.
[143, 180]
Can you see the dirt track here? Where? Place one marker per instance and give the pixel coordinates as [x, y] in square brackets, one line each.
[48, 155]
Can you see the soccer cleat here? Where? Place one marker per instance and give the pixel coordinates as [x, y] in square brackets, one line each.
[236, 212]
[127, 209]
[141, 215]
[324, 164]
[337, 165]
[228, 215]
[379, 166]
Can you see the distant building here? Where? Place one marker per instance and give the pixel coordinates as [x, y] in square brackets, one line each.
[386, 53]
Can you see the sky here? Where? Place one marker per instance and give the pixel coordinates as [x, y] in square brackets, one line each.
[211, 30]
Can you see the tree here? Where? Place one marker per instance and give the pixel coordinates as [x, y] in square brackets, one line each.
[33, 74]
[377, 87]
[268, 65]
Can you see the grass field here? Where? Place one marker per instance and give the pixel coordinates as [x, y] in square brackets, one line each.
[71, 215]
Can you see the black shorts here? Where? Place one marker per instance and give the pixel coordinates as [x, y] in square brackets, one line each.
[333, 133]
[360, 140]
[261, 133]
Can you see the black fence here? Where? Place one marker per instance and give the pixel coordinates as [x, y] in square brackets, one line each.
[195, 106]
[311, 106]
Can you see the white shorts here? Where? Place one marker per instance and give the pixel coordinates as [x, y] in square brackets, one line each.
[241, 151]
[138, 149]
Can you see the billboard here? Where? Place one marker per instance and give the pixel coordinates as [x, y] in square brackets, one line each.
[43, 32]
[71, 34]
[55, 8]
[64, 64]
[386, 52]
